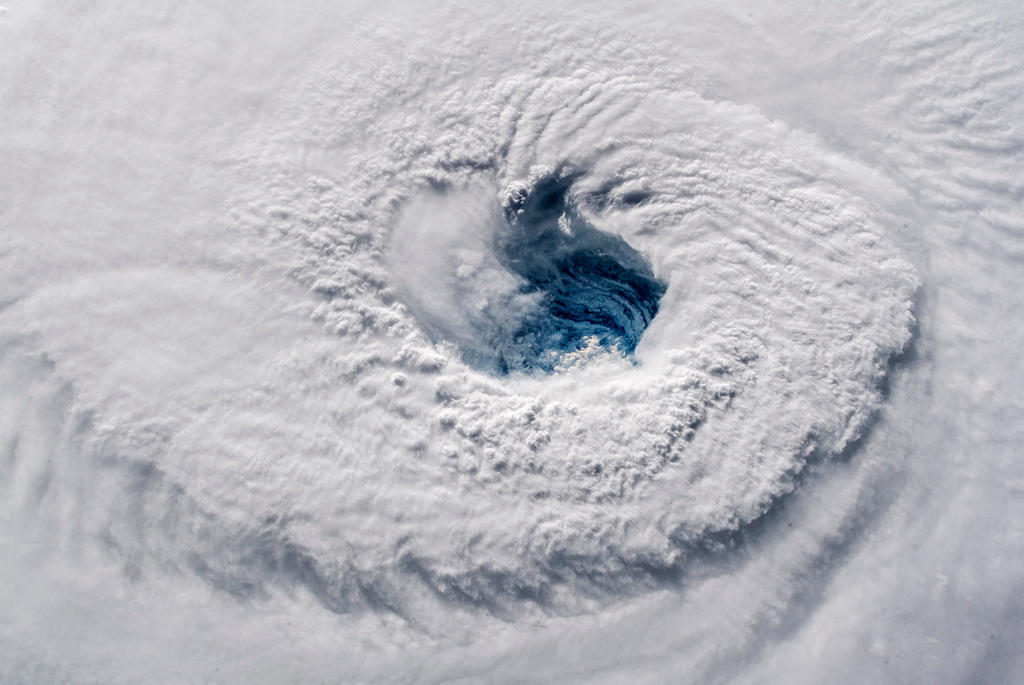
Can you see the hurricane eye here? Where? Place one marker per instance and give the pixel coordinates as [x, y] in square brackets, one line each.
[529, 287]
[594, 289]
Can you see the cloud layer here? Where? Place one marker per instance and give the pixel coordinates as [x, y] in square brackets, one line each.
[268, 376]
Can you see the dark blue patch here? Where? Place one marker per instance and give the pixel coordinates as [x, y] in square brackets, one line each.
[593, 284]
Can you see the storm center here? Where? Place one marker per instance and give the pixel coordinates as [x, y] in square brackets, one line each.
[532, 288]
[592, 289]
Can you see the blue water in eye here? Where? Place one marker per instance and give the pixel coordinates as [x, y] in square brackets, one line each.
[592, 285]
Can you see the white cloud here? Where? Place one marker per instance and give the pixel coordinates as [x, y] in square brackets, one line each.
[241, 433]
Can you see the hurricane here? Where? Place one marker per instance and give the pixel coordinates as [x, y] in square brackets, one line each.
[408, 342]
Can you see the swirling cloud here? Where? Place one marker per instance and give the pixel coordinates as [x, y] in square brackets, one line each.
[615, 344]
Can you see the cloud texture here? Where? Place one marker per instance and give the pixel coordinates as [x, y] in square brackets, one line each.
[270, 407]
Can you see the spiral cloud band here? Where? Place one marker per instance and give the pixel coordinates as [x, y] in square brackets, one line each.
[420, 343]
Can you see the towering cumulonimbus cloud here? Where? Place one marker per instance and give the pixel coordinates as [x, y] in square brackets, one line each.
[378, 344]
